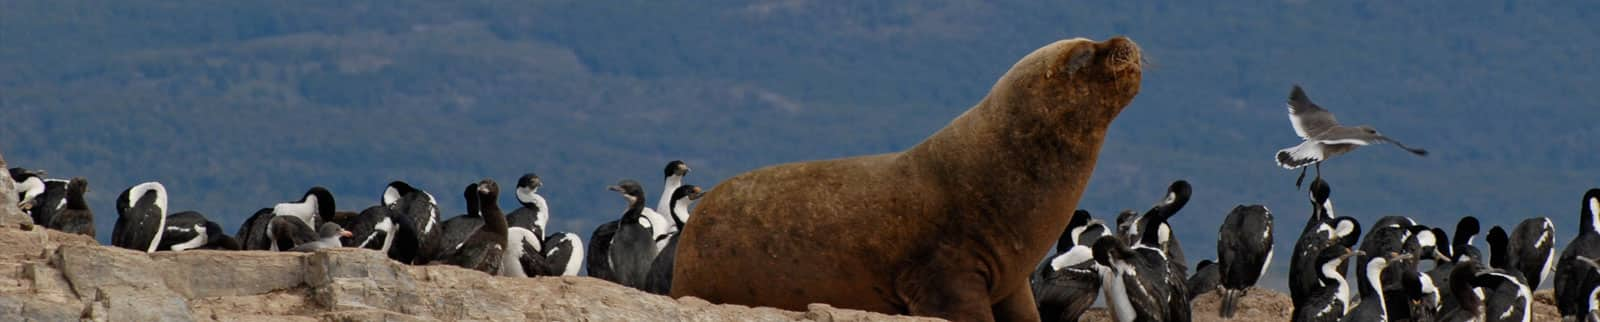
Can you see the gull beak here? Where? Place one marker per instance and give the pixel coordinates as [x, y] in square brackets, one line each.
[344, 233]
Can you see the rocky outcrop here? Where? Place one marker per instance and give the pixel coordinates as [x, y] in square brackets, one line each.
[49, 275]
[1264, 305]
[10, 216]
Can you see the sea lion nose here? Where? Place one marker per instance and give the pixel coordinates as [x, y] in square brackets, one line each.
[1121, 52]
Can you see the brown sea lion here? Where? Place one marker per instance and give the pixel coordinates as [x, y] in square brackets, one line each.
[949, 228]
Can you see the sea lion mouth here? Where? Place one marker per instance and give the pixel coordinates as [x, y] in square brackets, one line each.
[1122, 55]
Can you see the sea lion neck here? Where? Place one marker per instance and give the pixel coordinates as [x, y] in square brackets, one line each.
[1030, 145]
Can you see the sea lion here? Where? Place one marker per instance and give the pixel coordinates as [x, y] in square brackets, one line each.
[950, 228]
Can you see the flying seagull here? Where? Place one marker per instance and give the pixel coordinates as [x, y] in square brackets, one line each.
[1324, 137]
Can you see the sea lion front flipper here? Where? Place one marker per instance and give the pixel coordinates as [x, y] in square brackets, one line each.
[1019, 306]
[934, 290]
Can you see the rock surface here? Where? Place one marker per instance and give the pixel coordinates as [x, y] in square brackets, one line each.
[47, 275]
[53, 276]
[10, 215]
[1264, 305]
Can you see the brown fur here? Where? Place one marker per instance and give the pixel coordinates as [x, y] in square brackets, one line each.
[949, 228]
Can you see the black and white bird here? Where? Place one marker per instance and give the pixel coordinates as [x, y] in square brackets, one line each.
[1574, 280]
[141, 217]
[75, 217]
[1319, 233]
[39, 197]
[632, 249]
[1432, 244]
[1395, 221]
[191, 230]
[1532, 249]
[1439, 275]
[29, 186]
[455, 231]
[1244, 251]
[1372, 306]
[293, 223]
[1177, 196]
[563, 254]
[52, 202]
[598, 259]
[1386, 237]
[1066, 284]
[1506, 293]
[415, 216]
[1323, 137]
[373, 228]
[1593, 264]
[1469, 301]
[252, 234]
[327, 237]
[1125, 228]
[1138, 282]
[1445, 257]
[534, 214]
[1329, 299]
[1461, 242]
[524, 256]
[659, 280]
[289, 231]
[1090, 232]
[674, 174]
[483, 251]
[1419, 293]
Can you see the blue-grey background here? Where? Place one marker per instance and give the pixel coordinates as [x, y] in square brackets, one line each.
[237, 105]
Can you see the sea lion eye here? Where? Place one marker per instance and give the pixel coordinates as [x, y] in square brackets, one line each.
[1079, 58]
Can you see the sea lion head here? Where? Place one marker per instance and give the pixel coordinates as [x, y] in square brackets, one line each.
[1075, 78]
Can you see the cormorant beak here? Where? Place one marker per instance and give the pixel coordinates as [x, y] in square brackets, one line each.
[614, 188]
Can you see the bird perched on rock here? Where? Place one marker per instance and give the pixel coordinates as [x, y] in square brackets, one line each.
[327, 237]
[1324, 137]
[1244, 250]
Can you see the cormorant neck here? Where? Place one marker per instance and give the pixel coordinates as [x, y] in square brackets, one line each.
[493, 219]
[680, 212]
